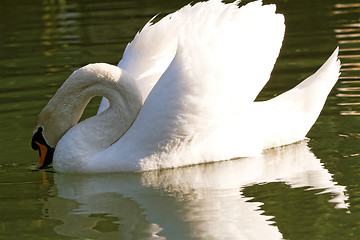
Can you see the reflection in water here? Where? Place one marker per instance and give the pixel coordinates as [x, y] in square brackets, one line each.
[100, 206]
[208, 198]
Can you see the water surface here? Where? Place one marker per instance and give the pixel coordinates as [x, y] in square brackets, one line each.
[308, 190]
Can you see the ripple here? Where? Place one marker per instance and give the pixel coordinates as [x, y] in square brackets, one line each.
[348, 35]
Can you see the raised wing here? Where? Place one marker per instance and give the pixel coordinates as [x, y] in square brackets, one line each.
[224, 57]
[148, 56]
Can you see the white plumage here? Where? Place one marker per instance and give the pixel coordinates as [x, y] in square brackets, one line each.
[198, 72]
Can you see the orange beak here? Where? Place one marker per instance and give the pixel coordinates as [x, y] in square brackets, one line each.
[42, 151]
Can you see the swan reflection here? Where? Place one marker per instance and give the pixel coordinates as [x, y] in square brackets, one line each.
[203, 201]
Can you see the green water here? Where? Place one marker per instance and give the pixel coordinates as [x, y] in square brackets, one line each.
[308, 190]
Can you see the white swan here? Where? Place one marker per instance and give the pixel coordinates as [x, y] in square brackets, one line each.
[183, 94]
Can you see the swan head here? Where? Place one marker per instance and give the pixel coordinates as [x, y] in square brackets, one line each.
[46, 152]
[49, 128]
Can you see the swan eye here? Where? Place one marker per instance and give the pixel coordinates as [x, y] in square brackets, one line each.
[38, 137]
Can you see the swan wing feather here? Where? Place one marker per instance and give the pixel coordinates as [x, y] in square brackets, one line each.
[217, 75]
[212, 77]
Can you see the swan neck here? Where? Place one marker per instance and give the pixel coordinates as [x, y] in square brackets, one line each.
[68, 104]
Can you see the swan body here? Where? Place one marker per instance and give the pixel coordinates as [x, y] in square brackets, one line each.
[183, 94]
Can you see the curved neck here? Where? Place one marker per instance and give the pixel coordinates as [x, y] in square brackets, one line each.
[92, 135]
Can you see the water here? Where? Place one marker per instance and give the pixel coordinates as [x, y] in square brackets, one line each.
[308, 190]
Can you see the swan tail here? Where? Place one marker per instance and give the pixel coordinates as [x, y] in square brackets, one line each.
[291, 114]
[310, 95]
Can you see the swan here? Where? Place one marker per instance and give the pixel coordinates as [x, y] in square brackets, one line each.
[182, 94]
